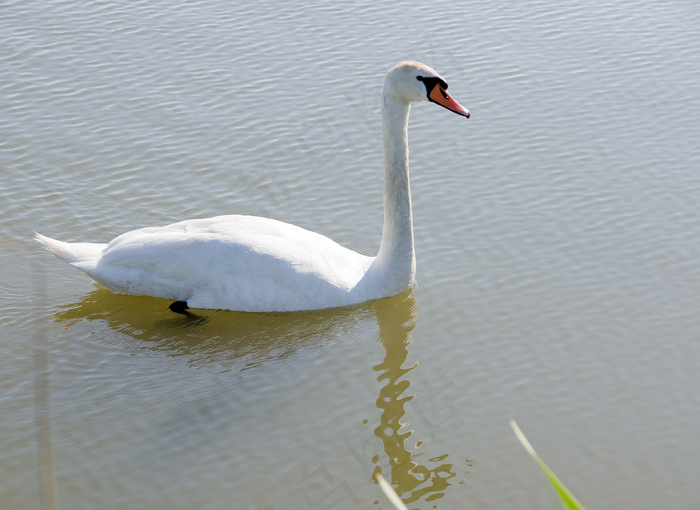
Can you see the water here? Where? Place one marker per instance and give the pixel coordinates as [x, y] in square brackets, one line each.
[557, 237]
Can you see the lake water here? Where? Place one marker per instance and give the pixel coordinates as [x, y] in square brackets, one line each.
[557, 239]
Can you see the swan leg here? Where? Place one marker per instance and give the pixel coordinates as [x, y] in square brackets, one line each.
[179, 307]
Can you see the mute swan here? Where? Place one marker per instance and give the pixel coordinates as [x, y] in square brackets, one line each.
[255, 264]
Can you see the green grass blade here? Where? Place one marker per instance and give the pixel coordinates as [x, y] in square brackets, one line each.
[569, 500]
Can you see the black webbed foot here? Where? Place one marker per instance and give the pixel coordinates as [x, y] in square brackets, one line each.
[179, 307]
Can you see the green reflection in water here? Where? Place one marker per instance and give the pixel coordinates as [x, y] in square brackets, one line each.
[411, 479]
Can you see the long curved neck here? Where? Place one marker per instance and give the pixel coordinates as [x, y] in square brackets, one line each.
[396, 258]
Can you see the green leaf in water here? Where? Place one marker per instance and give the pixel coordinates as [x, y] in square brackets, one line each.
[568, 499]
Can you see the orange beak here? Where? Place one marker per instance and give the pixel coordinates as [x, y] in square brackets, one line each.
[440, 96]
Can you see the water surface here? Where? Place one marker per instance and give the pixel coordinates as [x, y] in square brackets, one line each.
[557, 237]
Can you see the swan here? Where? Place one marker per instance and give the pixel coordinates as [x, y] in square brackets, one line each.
[255, 264]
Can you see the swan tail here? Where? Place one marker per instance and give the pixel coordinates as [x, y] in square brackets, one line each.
[72, 253]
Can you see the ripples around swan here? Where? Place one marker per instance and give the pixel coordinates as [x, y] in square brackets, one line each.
[556, 238]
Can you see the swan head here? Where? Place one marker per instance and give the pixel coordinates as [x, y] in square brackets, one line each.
[410, 82]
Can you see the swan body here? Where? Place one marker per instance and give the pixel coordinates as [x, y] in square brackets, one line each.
[255, 264]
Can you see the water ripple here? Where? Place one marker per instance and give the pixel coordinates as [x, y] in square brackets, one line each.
[556, 238]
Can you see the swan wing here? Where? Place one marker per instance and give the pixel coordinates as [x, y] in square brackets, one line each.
[235, 262]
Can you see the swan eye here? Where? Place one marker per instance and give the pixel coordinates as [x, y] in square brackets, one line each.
[430, 84]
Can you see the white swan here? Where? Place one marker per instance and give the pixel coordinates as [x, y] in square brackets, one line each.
[255, 264]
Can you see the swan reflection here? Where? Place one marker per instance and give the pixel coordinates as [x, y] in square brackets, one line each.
[244, 341]
[231, 339]
[412, 476]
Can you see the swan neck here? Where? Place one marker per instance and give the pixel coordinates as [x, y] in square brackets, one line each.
[396, 256]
